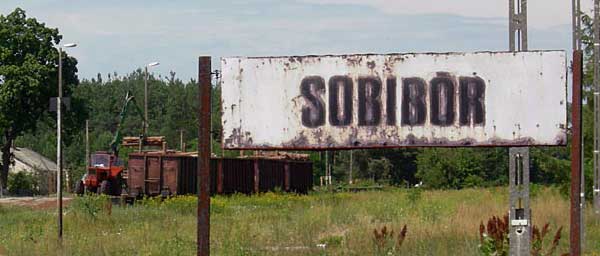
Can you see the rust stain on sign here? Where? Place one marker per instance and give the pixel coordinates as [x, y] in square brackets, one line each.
[395, 100]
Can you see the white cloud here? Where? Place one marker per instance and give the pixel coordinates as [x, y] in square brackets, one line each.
[541, 13]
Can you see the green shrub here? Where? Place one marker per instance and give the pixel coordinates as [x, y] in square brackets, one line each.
[22, 183]
[91, 205]
[414, 195]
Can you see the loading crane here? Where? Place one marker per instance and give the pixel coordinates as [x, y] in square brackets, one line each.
[105, 173]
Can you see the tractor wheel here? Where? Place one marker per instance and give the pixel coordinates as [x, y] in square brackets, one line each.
[117, 185]
[79, 188]
[87, 190]
[104, 187]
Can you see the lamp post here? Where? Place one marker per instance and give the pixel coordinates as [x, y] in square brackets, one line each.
[152, 64]
[59, 141]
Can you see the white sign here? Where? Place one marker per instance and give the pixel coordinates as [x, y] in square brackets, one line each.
[395, 100]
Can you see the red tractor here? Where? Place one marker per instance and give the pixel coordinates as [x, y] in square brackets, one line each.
[104, 175]
[105, 172]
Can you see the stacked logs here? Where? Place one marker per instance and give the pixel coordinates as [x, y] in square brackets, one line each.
[148, 141]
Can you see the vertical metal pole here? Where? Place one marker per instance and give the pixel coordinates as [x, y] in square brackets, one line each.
[517, 24]
[576, 19]
[203, 225]
[577, 191]
[87, 144]
[326, 166]
[351, 165]
[181, 140]
[582, 160]
[596, 152]
[145, 122]
[59, 147]
[576, 155]
[511, 25]
[520, 213]
[523, 26]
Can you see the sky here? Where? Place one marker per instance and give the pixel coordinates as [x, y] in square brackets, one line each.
[121, 36]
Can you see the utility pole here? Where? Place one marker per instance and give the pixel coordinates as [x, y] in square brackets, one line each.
[596, 152]
[520, 212]
[59, 171]
[59, 147]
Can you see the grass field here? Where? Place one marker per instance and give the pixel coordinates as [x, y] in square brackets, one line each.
[438, 223]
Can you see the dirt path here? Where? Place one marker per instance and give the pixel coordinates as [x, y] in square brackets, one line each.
[34, 202]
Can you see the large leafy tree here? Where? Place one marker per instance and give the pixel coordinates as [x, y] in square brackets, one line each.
[28, 78]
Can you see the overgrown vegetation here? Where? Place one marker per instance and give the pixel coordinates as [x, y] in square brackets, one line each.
[22, 184]
[439, 223]
[494, 238]
[385, 241]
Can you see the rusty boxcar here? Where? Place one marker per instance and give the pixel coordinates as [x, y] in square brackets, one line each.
[174, 173]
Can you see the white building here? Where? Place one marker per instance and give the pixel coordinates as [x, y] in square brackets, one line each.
[44, 169]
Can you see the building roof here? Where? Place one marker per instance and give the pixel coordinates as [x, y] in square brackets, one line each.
[33, 159]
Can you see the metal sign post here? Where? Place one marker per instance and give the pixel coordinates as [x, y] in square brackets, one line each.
[59, 195]
[517, 25]
[203, 217]
[576, 155]
[576, 230]
[520, 213]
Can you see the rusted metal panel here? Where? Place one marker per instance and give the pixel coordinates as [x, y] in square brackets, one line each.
[153, 176]
[271, 175]
[286, 181]
[301, 177]
[170, 167]
[219, 177]
[395, 100]
[227, 175]
[135, 174]
[238, 176]
[256, 177]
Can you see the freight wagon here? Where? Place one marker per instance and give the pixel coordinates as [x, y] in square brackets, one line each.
[174, 173]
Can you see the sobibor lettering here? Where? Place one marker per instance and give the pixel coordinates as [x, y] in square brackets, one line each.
[421, 100]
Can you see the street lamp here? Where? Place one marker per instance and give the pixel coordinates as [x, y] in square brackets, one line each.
[151, 64]
[59, 140]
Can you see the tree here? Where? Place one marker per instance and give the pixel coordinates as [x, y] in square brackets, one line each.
[28, 78]
[379, 169]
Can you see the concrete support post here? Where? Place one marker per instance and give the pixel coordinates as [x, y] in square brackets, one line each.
[520, 213]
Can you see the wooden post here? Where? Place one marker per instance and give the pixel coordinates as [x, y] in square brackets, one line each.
[203, 225]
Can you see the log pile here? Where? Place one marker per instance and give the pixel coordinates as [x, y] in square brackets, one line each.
[148, 141]
[279, 155]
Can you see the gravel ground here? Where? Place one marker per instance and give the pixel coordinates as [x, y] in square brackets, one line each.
[34, 202]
